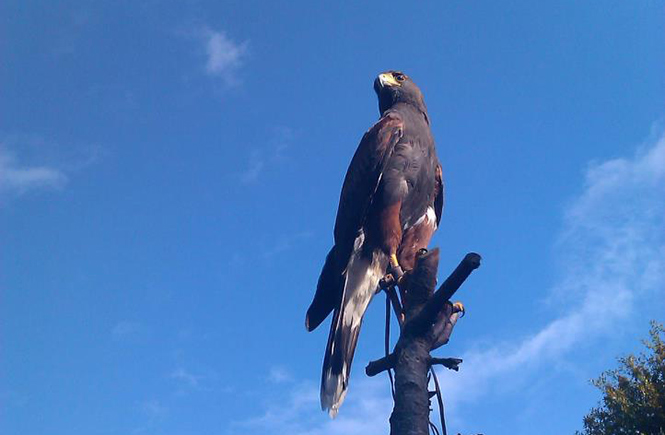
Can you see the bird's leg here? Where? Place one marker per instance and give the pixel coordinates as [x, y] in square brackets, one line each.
[395, 268]
[388, 233]
[397, 275]
[386, 229]
[407, 257]
[388, 281]
[387, 284]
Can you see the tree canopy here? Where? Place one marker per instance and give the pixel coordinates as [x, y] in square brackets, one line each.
[634, 394]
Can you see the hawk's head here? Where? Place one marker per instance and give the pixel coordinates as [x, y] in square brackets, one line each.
[394, 87]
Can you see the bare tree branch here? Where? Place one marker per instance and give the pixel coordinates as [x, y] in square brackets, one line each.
[449, 363]
[428, 315]
[429, 319]
[380, 365]
[443, 327]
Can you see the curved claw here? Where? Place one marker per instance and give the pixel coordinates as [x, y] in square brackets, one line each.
[398, 273]
[458, 307]
[386, 282]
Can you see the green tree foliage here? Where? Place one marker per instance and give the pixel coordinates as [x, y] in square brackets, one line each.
[634, 394]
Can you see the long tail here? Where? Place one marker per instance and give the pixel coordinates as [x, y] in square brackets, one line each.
[328, 290]
[363, 273]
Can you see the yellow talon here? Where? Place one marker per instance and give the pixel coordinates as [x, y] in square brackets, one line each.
[458, 307]
[393, 260]
[395, 269]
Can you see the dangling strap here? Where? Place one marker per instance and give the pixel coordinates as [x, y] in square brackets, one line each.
[387, 345]
[439, 399]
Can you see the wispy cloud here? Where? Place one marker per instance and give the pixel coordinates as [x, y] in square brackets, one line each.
[186, 377]
[153, 412]
[273, 154]
[30, 162]
[297, 412]
[17, 178]
[257, 161]
[612, 248]
[127, 330]
[188, 381]
[224, 56]
[285, 242]
[279, 375]
[153, 408]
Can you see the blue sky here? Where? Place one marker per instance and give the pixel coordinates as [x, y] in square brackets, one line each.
[169, 176]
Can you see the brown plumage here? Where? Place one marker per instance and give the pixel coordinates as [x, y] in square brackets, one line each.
[390, 206]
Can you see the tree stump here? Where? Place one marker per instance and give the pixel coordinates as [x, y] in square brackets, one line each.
[427, 323]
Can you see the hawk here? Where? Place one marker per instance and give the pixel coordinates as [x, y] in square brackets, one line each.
[390, 205]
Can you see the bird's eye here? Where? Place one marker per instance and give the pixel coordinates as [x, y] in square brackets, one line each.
[399, 77]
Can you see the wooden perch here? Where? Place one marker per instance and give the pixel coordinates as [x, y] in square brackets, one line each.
[429, 319]
[388, 362]
[449, 363]
[443, 327]
[428, 315]
[380, 365]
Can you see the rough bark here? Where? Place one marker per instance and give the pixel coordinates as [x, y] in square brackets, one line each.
[411, 411]
[429, 321]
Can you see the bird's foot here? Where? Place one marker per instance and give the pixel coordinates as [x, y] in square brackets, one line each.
[396, 270]
[458, 307]
[387, 282]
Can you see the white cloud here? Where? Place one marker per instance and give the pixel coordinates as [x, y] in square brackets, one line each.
[188, 381]
[224, 56]
[272, 155]
[126, 329]
[285, 242]
[297, 412]
[612, 246]
[153, 408]
[16, 178]
[613, 254]
[279, 375]
[153, 413]
[186, 377]
[254, 168]
[29, 162]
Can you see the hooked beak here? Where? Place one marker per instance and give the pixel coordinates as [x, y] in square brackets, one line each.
[387, 79]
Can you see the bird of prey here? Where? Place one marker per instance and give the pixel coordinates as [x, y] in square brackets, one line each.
[390, 206]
